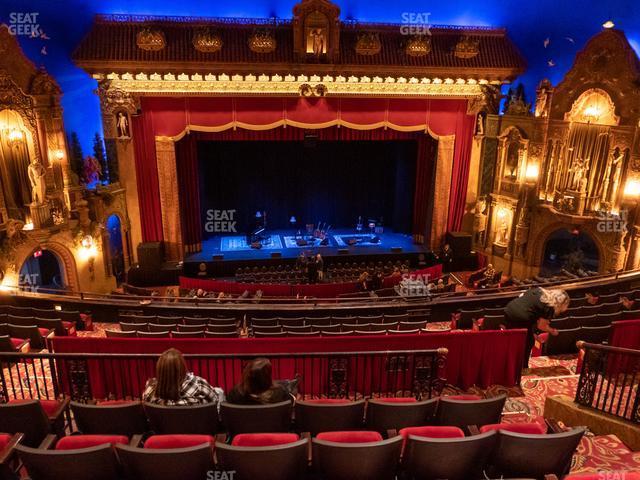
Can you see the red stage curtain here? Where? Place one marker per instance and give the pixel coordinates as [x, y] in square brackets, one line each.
[189, 188]
[475, 358]
[460, 174]
[423, 198]
[147, 178]
[361, 118]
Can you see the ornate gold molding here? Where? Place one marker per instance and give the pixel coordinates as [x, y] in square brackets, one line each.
[289, 85]
[170, 207]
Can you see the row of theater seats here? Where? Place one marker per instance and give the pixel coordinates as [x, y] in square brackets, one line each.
[456, 437]
[150, 330]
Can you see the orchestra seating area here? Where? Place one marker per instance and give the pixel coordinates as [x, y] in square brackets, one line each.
[453, 437]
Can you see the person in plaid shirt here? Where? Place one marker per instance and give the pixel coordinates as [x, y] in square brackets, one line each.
[174, 385]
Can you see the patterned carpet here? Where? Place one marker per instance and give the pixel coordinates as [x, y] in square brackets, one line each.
[547, 376]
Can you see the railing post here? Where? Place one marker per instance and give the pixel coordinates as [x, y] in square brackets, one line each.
[592, 366]
[79, 380]
[338, 377]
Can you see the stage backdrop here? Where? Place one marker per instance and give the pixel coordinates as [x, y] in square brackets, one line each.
[165, 120]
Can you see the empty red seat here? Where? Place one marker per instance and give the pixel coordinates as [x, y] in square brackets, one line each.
[530, 428]
[430, 431]
[5, 438]
[75, 442]
[397, 399]
[364, 436]
[464, 398]
[327, 401]
[263, 439]
[17, 342]
[161, 442]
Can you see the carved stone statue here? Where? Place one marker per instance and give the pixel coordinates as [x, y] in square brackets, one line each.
[122, 125]
[503, 232]
[542, 98]
[480, 221]
[38, 184]
[480, 124]
[579, 169]
[317, 34]
[614, 176]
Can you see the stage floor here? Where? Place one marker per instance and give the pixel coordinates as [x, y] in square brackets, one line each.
[232, 251]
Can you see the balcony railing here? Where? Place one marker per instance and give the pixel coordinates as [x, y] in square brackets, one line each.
[349, 375]
[610, 381]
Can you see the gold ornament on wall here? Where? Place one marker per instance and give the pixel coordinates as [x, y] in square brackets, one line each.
[368, 44]
[207, 41]
[262, 41]
[151, 39]
[467, 47]
[418, 46]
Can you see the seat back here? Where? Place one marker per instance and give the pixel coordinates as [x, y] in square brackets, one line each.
[461, 413]
[194, 419]
[553, 453]
[279, 462]
[120, 334]
[118, 419]
[357, 461]
[451, 458]
[96, 463]
[382, 416]
[275, 417]
[6, 345]
[27, 417]
[192, 463]
[326, 416]
[564, 342]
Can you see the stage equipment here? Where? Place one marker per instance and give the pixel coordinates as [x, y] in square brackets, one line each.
[460, 243]
[150, 255]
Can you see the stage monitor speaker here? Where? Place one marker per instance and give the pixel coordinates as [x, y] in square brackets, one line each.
[217, 256]
[460, 243]
[276, 254]
[150, 255]
[343, 251]
[396, 249]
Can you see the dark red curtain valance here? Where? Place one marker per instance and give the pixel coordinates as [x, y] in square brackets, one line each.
[264, 118]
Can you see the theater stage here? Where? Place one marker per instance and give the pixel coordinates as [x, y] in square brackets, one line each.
[223, 254]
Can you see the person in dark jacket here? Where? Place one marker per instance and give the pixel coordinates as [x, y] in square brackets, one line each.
[257, 385]
[533, 310]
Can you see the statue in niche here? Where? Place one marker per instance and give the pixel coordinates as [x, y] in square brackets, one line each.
[480, 124]
[613, 181]
[542, 98]
[317, 41]
[480, 220]
[513, 156]
[122, 125]
[579, 169]
[38, 184]
[503, 232]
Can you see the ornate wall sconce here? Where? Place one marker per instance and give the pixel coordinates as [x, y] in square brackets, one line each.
[531, 173]
[88, 253]
[15, 137]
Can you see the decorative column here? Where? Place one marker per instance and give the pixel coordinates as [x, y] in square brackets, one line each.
[633, 259]
[443, 171]
[168, 183]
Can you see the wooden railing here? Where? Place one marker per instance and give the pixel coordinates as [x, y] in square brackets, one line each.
[610, 380]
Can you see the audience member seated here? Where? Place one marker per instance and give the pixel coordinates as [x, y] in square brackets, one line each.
[174, 385]
[257, 386]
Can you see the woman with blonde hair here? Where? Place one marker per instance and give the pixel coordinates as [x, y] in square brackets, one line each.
[175, 385]
[533, 310]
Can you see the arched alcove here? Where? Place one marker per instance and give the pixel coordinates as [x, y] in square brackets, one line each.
[571, 250]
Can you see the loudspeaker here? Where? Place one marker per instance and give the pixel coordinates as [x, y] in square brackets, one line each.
[460, 243]
[276, 254]
[396, 249]
[217, 256]
[343, 251]
[150, 255]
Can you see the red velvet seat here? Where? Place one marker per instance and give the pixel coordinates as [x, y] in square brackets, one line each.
[530, 428]
[5, 438]
[430, 431]
[327, 401]
[263, 439]
[365, 436]
[397, 399]
[17, 343]
[464, 398]
[177, 441]
[75, 442]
